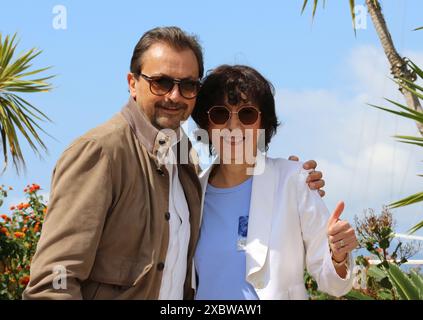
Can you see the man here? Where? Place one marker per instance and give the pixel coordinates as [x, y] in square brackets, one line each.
[122, 224]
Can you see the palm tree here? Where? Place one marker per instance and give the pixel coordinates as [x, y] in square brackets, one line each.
[399, 66]
[17, 115]
[406, 73]
[406, 112]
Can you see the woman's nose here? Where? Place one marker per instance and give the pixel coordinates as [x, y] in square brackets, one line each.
[233, 122]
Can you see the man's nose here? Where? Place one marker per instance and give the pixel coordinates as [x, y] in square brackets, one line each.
[174, 94]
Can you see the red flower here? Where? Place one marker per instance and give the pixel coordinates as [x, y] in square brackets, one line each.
[24, 280]
[4, 230]
[5, 218]
[20, 206]
[37, 227]
[12, 208]
[25, 205]
[19, 235]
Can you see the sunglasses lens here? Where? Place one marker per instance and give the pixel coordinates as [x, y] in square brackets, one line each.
[161, 85]
[189, 88]
[219, 115]
[248, 115]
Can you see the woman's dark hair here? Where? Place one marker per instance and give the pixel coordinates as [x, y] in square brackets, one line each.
[234, 85]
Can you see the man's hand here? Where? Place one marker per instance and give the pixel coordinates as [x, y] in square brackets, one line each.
[314, 179]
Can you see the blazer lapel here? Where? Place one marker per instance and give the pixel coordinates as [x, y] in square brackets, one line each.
[204, 179]
[260, 217]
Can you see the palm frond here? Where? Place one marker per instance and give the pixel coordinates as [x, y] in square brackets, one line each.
[316, 2]
[407, 201]
[417, 227]
[352, 11]
[416, 68]
[16, 113]
[410, 114]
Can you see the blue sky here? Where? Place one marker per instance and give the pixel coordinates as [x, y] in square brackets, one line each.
[323, 76]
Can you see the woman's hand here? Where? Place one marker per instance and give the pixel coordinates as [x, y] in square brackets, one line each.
[342, 239]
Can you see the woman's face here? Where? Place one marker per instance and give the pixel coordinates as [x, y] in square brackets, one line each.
[234, 132]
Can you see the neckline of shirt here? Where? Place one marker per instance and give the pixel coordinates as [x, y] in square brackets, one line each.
[243, 185]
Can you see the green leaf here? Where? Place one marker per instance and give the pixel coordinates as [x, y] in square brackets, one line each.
[415, 68]
[416, 227]
[409, 114]
[408, 200]
[376, 273]
[418, 281]
[352, 5]
[403, 285]
[385, 283]
[411, 138]
[16, 113]
[357, 295]
[385, 294]
[384, 243]
[316, 2]
[418, 114]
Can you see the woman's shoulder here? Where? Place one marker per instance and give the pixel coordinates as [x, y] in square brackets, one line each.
[286, 167]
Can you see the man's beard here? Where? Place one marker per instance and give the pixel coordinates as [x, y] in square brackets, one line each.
[172, 122]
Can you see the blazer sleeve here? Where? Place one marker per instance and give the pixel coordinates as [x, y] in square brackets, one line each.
[314, 216]
[81, 195]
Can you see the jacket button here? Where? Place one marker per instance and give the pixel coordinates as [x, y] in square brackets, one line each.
[167, 216]
[162, 142]
[160, 266]
[160, 171]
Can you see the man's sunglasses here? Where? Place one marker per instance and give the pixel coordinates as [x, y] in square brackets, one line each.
[220, 115]
[162, 85]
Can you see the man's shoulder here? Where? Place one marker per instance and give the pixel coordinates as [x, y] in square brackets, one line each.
[108, 135]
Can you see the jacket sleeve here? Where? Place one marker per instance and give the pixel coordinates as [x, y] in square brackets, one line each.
[81, 195]
[314, 216]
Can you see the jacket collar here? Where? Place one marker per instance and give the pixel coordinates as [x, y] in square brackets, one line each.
[157, 142]
[149, 136]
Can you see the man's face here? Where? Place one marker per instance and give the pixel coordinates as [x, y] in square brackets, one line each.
[169, 110]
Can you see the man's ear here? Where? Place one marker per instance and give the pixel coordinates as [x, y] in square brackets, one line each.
[132, 85]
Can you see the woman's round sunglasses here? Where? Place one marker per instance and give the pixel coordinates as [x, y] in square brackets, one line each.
[162, 85]
[220, 115]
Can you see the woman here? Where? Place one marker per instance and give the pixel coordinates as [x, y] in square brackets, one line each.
[261, 224]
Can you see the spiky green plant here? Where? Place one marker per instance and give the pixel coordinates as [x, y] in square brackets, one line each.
[17, 115]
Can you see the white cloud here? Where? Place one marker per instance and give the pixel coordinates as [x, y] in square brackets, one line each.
[353, 142]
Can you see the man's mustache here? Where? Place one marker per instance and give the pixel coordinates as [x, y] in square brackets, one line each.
[171, 105]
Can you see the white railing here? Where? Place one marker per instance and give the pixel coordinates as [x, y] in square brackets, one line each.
[408, 261]
[360, 271]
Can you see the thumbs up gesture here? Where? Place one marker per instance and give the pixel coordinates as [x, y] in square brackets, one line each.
[341, 236]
